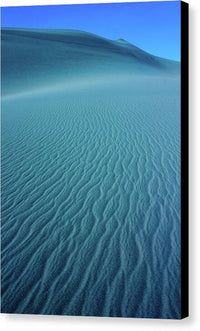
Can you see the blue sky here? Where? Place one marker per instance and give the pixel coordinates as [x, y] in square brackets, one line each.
[152, 26]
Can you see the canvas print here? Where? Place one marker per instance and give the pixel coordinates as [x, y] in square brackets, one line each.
[91, 160]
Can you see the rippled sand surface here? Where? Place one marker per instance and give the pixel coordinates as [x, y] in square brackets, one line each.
[90, 177]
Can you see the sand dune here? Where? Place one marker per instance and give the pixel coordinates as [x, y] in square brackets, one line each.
[90, 177]
[36, 58]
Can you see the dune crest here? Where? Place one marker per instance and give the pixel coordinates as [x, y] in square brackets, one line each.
[47, 57]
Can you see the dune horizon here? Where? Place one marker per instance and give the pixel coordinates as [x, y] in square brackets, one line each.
[90, 176]
[101, 47]
[120, 38]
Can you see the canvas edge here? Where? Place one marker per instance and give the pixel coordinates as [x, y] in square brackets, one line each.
[184, 159]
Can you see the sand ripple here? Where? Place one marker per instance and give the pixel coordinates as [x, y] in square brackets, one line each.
[91, 200]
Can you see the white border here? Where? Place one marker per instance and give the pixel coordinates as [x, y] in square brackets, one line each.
[54, 2]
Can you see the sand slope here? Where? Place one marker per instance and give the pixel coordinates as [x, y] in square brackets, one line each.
[36, 58]
[90, 177]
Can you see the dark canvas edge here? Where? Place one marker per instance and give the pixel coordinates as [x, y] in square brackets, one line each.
[184, 160]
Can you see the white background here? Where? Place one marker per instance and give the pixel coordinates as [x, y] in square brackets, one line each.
[34, 322]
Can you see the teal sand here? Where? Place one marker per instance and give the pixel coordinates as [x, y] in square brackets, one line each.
[90, 177]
